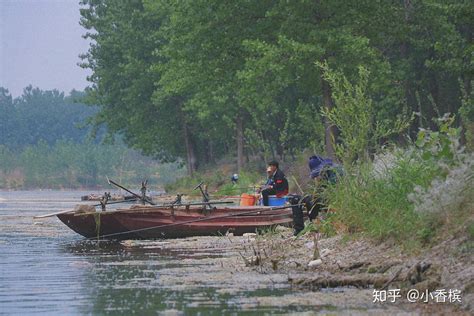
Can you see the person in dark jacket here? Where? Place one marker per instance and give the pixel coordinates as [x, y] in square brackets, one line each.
[325, 172]
[277, 184]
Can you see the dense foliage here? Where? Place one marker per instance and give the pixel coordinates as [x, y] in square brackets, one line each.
[203, 79]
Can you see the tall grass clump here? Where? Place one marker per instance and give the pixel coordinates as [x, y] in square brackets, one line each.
[376, 203]
[409, 194]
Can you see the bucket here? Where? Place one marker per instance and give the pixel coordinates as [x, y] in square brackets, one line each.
[276, 201]
[247, 199]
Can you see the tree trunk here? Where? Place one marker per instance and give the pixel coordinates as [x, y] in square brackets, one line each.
[190, 155]
[409, 87]
[436, 96]
[329, 129]
[240, 144]
[210, 151]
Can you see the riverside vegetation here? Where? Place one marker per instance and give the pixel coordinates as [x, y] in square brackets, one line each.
[403, 220]
[404, 214]
[204, 80]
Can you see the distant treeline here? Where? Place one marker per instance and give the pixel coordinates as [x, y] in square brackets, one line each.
[79, 165]
[39, 115]
[206, 79]
[45, 143]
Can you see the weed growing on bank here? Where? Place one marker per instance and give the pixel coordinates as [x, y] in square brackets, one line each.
[409, 194]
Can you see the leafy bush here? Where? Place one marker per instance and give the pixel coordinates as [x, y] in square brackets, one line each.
[354, 113]
[406, 194]
[466, 113]
[452, 191]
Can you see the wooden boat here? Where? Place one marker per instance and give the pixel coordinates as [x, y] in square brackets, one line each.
[156, 222]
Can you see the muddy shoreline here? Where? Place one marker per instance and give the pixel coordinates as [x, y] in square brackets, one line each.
[337, 264]
[343, 281]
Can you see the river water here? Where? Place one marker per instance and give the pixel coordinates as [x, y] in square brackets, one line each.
[47, 269]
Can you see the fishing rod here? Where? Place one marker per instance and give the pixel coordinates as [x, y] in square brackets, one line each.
[244, 188]
[122, 210]
[146, 208]
[196, 203]
[68, 211]
[194, 221]
[143, 198]
[117, 202]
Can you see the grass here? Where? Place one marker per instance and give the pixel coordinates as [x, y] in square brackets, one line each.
[378, 201]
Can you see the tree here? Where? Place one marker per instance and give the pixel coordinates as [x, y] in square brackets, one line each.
[196, 81]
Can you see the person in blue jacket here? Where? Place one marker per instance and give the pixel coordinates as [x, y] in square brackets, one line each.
[325, 172]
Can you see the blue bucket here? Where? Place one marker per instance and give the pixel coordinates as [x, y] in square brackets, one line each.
[276, 201]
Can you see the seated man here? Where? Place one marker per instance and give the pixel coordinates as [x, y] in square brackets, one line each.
[277, 184]
[325, 172]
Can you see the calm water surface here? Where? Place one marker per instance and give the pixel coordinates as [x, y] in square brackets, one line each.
[45, 268]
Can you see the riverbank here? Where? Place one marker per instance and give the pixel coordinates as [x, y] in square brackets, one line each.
[342, 283]
[339, 264]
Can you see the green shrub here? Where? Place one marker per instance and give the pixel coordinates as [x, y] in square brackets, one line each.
[355, 115]
[408, 194]
[378, 205]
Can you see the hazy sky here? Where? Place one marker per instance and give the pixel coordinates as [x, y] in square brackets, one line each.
[40, 43]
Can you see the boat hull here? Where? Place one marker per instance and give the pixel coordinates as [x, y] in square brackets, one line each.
[96, 225]
[151, 226]
[156, 223]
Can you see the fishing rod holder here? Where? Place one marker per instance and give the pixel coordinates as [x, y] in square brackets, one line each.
[178, 200]
[143, 190]
[141, 197]
[104, 199]
[205, 195]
